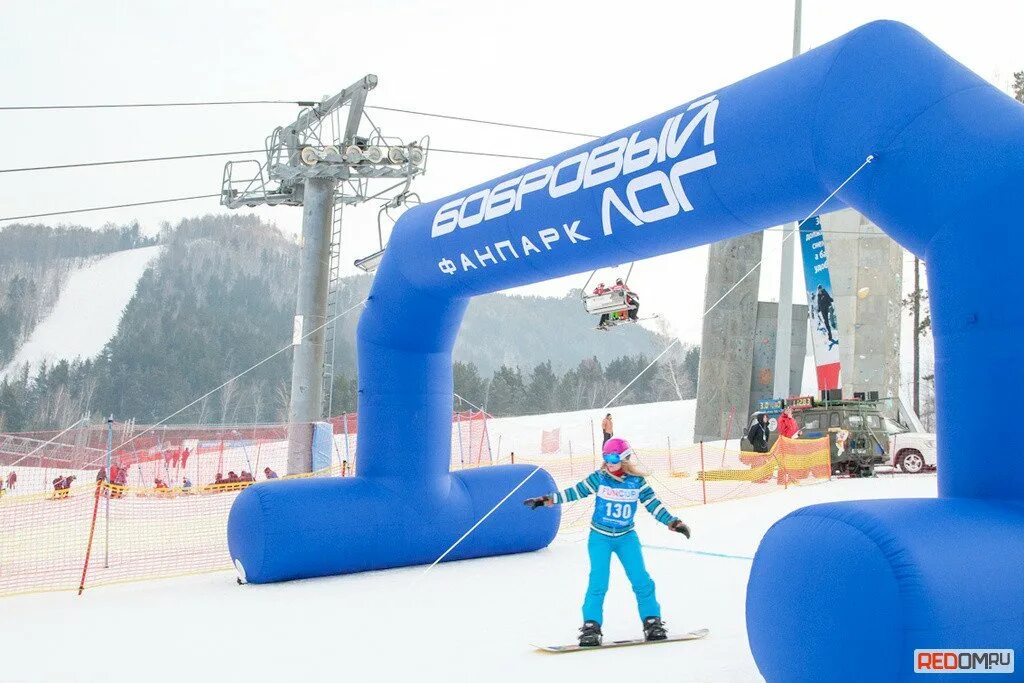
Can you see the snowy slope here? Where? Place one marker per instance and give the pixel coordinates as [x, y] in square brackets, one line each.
[87, 311]
[464, 621]
[645, 425]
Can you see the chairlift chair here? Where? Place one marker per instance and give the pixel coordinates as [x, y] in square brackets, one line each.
[369, 264]
[616, 304]
[609, 302]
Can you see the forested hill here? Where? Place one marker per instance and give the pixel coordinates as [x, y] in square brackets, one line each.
[220, 298]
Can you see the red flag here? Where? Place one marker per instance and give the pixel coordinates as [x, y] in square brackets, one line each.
[551, 441]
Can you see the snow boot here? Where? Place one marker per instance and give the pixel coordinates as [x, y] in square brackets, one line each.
[654, 629]
[590, 634]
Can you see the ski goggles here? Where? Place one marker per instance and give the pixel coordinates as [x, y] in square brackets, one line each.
[616, 458]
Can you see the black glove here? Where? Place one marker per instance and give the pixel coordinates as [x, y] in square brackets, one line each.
[679, 526]
[534, 503]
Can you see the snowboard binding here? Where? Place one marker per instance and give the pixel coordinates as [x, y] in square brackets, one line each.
[654, 629]
[590, 634]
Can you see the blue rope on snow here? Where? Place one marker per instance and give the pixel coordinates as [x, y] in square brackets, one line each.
[698, 552]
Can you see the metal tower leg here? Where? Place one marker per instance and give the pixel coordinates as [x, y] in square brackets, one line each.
[310, 315]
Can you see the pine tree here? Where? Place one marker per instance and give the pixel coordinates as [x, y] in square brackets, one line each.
[468, 383]
[541, 393]
[508, 393]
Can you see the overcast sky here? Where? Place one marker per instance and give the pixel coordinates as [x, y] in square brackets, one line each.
[591, 67]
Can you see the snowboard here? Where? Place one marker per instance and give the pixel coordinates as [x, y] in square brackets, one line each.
[692, 635]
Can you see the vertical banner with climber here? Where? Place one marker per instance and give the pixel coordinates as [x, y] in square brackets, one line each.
[820, 304]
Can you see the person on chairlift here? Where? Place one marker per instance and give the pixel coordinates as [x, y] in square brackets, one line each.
[631, 298]
[601, 289]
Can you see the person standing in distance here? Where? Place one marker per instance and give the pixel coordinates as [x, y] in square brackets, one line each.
[759, 434]
[788, 426]
[606, 428]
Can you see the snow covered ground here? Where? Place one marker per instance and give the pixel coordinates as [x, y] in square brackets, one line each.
[87, 311]
[464, 621]
[645, 425]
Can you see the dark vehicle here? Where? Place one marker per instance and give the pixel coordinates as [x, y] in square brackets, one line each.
[859, 432]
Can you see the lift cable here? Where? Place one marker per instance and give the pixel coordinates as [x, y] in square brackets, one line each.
[110, 206]
[137, 105]
[301, 103]
[129, 161]
[483, 121]
[203, 155]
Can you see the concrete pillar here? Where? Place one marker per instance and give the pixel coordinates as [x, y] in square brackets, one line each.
[763, 382]
[867, 279]
[727, 342]
[784, 314]
[310, 314]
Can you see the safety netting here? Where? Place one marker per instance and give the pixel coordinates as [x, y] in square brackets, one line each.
[163, 510]
[696, 474]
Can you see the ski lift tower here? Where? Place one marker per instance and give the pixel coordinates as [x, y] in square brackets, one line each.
[321, 163]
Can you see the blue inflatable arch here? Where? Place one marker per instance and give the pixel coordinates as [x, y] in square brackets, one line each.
[875, 578]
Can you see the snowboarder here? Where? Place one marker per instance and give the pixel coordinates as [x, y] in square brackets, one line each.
[269, 473]
[619, 486]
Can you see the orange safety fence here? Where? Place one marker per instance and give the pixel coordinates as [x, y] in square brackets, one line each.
[470, 440]
[148, 529]
[686, 475]
[790, 461]
[163, 511]
[141, 532]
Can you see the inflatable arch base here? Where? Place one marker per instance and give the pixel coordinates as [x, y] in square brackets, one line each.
[301, 528]
[856, 587]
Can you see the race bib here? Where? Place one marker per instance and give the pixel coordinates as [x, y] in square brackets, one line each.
[615, 506]
[616, 494]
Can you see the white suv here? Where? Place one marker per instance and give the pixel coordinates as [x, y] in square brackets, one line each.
[913, 452]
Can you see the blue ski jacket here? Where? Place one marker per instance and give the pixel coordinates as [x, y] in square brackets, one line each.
[617, 498]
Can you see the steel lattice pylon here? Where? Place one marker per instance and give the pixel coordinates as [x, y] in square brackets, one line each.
[322, 162]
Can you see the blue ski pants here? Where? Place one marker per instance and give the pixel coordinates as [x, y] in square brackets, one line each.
[627, 547]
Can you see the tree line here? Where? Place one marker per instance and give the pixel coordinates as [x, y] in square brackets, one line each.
[511, 391]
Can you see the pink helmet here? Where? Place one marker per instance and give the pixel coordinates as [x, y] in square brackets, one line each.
[618, 446]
